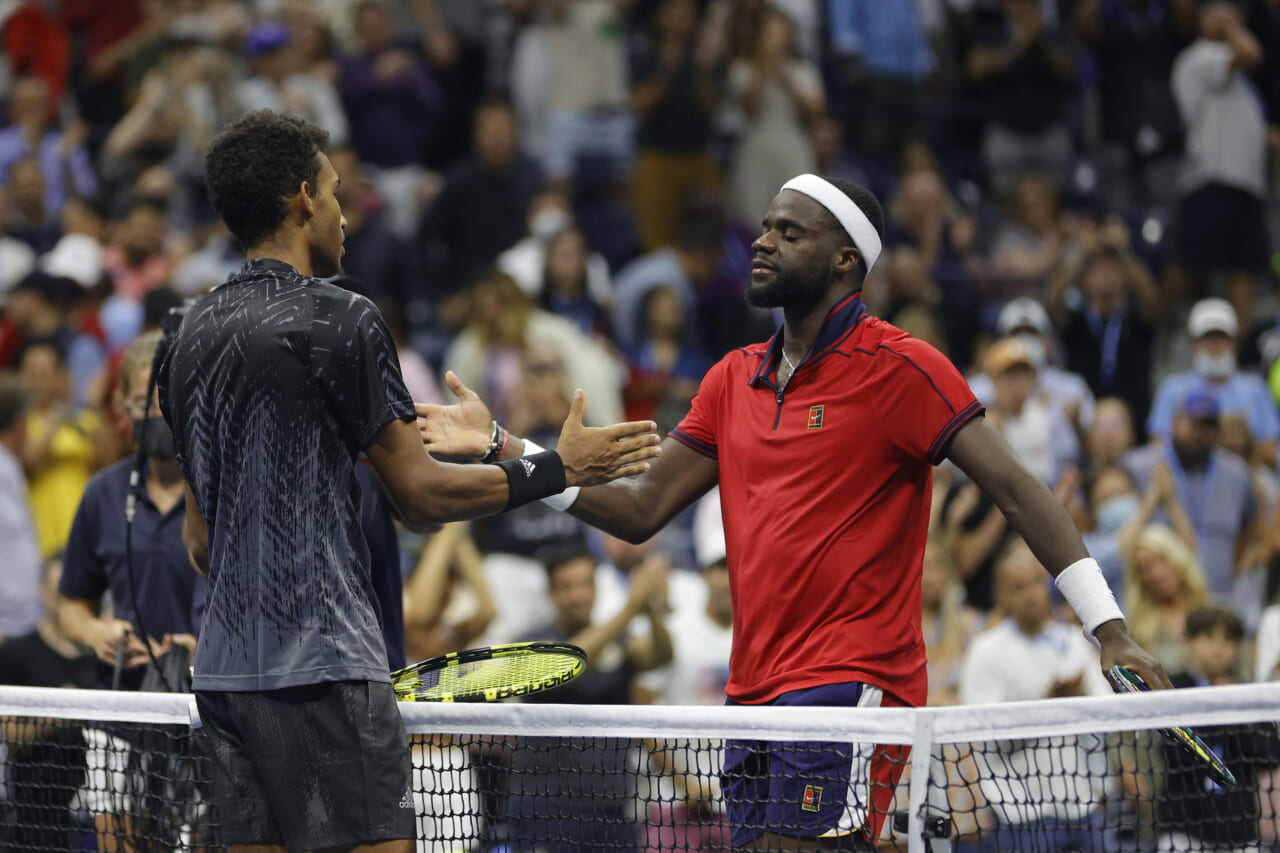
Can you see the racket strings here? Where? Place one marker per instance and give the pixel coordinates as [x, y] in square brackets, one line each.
[495, 677]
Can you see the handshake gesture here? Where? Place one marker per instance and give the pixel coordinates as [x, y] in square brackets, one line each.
[591, 457]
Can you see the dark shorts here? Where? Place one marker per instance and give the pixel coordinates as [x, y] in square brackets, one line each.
[322, 765]
[838, 792]
[1223, 229]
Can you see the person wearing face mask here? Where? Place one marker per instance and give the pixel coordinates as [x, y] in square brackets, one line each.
[1214, 333]
[159, 591]
[1120, 511]
[550, 214]
[1026, 319]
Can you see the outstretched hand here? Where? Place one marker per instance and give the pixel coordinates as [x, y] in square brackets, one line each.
[458, 431]
[595, 456]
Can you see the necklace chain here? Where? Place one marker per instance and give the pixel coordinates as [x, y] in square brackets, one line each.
[790, 366]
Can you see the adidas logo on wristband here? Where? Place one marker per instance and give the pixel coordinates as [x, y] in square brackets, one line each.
[528, 466]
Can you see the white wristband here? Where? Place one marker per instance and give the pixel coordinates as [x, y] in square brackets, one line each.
[1086, 590]
[562, 501]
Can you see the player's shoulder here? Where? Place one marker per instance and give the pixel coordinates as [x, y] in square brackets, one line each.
[894, 351]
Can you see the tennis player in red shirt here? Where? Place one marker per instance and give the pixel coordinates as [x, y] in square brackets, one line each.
[823, 441]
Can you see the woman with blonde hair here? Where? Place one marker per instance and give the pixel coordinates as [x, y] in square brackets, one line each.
[1163, 583]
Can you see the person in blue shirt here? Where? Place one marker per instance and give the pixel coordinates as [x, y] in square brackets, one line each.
[156, 595]
[1214, 332]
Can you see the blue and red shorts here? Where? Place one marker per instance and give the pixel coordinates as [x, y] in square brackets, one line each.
[813, 789]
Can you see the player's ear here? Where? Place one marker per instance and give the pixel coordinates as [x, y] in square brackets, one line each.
[847, 259]
[304, 201]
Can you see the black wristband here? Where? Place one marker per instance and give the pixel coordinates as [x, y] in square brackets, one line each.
[532, 478]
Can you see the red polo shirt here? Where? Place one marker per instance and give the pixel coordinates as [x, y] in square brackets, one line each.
[825, 488]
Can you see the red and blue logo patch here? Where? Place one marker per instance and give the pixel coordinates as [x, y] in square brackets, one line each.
[815, 416]
[812, 801]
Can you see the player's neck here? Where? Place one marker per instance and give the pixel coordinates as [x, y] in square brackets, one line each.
[289, 248]
[804, 321]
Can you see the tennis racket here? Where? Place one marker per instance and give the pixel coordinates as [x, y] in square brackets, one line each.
[490, 674]
[1124, 680]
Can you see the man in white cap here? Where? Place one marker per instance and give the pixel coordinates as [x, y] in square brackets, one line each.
[1061, 390]
[1214, 334]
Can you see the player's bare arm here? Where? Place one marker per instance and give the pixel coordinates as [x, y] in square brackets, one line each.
[195, 535]
[428, 491]
[986, 457]
[633, 509]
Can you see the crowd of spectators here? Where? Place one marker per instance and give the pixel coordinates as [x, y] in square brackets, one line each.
[549, 194]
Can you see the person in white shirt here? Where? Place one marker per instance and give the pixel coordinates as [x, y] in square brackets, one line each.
[1045, 788]
[1042, 435]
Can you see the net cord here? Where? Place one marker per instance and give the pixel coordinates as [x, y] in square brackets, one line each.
[958, 724]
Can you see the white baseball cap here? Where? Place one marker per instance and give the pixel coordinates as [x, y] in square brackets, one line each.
[1021, 313]
[1213, 315]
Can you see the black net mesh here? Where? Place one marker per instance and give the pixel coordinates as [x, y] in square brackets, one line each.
[70, 785]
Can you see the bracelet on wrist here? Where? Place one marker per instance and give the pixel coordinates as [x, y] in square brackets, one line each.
[497, 442]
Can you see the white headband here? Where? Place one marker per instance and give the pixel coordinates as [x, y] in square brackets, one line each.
[846, 212]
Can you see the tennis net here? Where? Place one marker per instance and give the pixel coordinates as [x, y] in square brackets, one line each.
[88, 770]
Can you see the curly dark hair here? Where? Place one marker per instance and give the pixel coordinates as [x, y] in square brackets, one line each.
[254, 165]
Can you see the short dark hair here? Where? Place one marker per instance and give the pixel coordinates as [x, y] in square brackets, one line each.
[1208, 618]
[254, 164]
[866, 202]
[554, 557]
[14, 399]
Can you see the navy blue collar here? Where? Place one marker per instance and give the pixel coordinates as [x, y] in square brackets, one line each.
[839, 324]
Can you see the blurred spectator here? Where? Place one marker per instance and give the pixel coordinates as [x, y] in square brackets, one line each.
[922, 214]
[662, 364]
[1115, 508]
[573, 282]
[137, 256]
[1222, 223]
[1042, 436]
[38, 308]
[1193, 813]
[1106, 306]
[480, 212]
[1215, 488]
[975, 533]
[44, 656]
[1029, 241]
[832, 159]
[1214, 332]
[1163, 583]
[1032, 655]
[64, 162]
[560, 791]
[373, 254]
[214, 261]
[1061, 390]
[1110, 435]
[538, 409]
[550, 213]
[685, 811]
[447, 601]
[569, 84]
[17, 258]
[948, 624]
[1234, 437]
[1022, 70]
[687, 267]
[779, 93]
[676, 84]
[29, 220]
[502, 323]
[1136, 42]
[887, 60]
[36, 43]
[392, 102]
[275, 83]
[20, 603]
[163, 591]
[63, 447]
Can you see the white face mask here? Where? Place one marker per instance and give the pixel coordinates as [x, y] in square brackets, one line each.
[1035, 349]
[1215, 366]
[546, 224]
